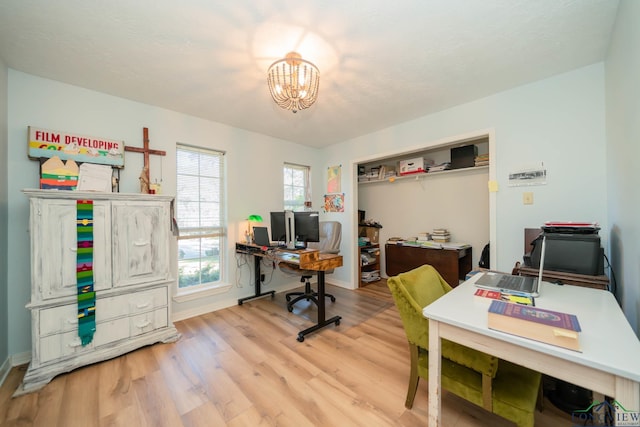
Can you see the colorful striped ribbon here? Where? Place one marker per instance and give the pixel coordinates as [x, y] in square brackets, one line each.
[84, 272]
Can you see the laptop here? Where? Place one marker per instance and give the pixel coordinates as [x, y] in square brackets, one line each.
[515, 285]
[261, 237]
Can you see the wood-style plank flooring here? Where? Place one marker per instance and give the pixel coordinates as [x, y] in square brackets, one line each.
[242, 366]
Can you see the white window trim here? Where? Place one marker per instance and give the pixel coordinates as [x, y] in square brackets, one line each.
[210, 288]
[191, 295]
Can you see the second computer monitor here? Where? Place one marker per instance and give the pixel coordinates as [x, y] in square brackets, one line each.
[278, 227]
[307, 226]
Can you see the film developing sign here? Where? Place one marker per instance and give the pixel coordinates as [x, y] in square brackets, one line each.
[80, 148]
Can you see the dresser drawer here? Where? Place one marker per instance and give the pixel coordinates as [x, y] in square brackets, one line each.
[141, 302]
[148, 322]
[64, 318]
[54, 347]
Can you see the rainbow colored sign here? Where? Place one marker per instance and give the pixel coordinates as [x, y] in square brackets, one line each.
[80, 148]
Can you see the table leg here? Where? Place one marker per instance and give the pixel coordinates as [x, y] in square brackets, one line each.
[627, 396]
[322, 322]
[435, 366]
[258, 292]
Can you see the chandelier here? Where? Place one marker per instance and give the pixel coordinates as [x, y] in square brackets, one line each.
[293, 82]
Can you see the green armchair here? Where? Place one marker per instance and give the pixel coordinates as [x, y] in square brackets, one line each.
[501, 387]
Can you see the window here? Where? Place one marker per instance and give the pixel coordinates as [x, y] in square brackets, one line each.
[296, 186]
[200, 216]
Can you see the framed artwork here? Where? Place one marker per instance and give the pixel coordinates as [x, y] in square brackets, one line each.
[525, 177]
[334, 202]
[334, 176]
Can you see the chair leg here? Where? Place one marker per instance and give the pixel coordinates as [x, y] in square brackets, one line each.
[300, 298]
[307, 290]
[308, 294]
[413, 376]
[333, 299]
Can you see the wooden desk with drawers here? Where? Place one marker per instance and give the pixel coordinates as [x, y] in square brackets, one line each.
[452, 264]
[308, 259]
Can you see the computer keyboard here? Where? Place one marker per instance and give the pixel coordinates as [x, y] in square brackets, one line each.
[514, 283]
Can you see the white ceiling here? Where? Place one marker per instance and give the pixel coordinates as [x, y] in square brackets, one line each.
[381, 62]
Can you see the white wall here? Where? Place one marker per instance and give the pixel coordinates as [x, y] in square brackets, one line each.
[558, 122]
[4, 248]
[457, 201]
[254, 165]
[623, 153]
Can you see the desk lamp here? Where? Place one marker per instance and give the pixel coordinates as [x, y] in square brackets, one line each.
[252, 218]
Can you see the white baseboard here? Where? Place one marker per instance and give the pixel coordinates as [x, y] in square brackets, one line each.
[186, 314]
[21, 358]
[4, 371]
[10, 362]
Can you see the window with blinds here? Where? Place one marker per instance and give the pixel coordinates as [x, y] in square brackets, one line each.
[296, 186]
[200, 216]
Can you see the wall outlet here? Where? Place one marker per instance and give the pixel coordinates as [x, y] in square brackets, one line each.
[527, 198]
[262, 277]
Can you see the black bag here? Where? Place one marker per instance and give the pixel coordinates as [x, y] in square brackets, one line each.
[484, 257]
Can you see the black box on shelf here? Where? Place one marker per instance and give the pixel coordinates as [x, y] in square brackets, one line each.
[463, 157]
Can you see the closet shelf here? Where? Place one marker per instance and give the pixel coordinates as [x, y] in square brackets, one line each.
[424, 175]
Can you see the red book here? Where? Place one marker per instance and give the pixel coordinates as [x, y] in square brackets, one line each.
[486, 293]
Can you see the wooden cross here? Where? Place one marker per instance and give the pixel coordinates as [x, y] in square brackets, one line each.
[146, 151]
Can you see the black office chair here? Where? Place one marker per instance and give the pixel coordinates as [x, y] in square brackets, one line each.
[330, 237]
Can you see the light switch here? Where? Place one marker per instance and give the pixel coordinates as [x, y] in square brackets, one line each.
[527, 198]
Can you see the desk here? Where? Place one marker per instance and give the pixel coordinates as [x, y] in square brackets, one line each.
[608, 362]
[258, 254]
[452, 264]
[308, 259]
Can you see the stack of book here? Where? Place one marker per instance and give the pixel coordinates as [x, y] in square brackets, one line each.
[423, 237]
[481, 159]
[440, 235]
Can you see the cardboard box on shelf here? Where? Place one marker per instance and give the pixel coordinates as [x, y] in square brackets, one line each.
[415, 165]
[373, 233]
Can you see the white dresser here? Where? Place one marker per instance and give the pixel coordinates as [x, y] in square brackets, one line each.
[132, 280]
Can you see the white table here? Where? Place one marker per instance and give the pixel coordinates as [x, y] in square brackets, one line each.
[609, 362]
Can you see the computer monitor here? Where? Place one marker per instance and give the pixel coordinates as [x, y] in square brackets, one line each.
[570, 253]
[307, 226]
[278, 227]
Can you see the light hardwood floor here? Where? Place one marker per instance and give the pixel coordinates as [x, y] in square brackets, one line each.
[242, 366]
